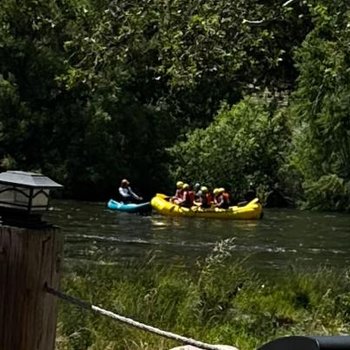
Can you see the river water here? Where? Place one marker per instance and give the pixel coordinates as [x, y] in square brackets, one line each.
[281, 240]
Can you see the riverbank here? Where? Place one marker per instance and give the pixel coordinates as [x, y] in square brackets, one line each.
[219, 300]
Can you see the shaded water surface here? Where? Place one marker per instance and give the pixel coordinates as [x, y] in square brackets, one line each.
[281, 239]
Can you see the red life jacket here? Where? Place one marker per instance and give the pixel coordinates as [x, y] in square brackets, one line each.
[226, 197]
[206, 200]
[188, 199]
[210, 198]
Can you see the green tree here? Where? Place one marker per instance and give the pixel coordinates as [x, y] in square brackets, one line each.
[97, 90]
[165, 68]
[244, 143]
[321, 109]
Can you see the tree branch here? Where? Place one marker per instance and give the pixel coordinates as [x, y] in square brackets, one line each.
[287, 3]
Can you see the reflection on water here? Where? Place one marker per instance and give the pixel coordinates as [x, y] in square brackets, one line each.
[282, 238]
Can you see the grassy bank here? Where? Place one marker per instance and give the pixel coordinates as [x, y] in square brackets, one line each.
[217, 301]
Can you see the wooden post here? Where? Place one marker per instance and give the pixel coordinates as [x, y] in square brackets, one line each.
[29, 260]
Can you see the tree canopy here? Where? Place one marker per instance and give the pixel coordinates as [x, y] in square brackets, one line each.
[94, 91]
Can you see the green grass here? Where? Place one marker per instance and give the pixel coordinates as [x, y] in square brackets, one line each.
[219, 300]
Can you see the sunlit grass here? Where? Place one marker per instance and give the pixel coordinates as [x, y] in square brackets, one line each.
[218, 301]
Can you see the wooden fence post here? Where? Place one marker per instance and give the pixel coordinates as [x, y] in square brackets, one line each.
[30, 259]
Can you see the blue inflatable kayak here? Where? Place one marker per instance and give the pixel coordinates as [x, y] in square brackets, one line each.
[130, 207]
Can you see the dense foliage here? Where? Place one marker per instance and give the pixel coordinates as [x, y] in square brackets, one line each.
[243, 145]
[320, 109]
[219, 301]
[93, 91]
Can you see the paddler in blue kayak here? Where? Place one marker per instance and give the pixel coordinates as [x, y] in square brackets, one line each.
[126, 193]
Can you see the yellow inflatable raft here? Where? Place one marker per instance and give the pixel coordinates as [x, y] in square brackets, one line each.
[251, 211]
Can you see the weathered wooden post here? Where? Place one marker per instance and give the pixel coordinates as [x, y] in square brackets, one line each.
[30, 255]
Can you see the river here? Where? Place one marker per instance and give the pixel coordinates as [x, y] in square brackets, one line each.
[281, 240]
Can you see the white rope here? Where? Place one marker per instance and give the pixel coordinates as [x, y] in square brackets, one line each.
[131, 322]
